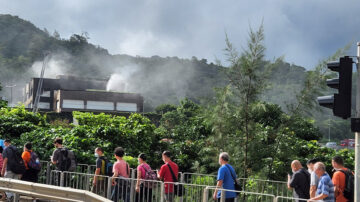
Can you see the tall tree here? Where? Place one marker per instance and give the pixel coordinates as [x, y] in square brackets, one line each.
[232, 114]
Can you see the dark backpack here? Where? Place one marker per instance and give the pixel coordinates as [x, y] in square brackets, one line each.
[34, 162]
[67, 160]
[108, 167]
[349, 185]
[16, 165]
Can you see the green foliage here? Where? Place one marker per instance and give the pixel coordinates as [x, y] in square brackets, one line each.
[162, 109]
[16, 121]
[186, 131]
[133, 162]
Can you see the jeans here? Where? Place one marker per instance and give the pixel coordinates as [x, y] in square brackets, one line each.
[121, 189]
[169, 197]
[144, 195]
[11, 175]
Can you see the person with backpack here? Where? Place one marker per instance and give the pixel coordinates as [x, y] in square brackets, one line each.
[299, 181]
[120, 178]
[225, 179]
[144, 188]
[344, 190]
[32, 164]
[13, 164]
[64, 160]
[102, 164]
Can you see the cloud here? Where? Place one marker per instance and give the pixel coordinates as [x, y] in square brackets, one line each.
[145, 43]
[304, 31]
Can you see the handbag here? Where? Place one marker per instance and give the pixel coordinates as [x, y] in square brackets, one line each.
[237, 185]
[178, 188]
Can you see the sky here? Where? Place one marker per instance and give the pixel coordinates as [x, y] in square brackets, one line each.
[303, 31]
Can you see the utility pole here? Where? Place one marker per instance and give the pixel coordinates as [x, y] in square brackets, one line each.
[329, 126]
[357, 134]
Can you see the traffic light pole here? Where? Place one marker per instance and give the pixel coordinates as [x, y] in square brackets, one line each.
[357, 134]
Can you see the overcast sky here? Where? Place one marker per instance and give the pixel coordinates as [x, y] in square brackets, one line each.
[304, 31]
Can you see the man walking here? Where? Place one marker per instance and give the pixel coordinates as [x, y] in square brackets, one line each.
[99, 183]
[325, 190]
[225, 179]
[299, 181]
[11, 164]
[166, 175]
[339, 178]
[314, 179]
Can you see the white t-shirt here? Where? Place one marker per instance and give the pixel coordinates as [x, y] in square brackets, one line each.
[314, 179]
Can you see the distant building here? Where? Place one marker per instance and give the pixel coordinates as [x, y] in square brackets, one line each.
[68, 93]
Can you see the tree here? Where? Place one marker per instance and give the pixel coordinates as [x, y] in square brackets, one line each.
[246, 81]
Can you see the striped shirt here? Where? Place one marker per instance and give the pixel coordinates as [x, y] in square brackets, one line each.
[326, 186]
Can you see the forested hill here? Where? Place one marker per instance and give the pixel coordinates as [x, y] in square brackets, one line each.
[160, 80]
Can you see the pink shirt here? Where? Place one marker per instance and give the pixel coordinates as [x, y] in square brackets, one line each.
[120, 168]
[1, 161]
[141, 168]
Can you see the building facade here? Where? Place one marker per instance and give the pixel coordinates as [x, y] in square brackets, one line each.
[68, 93]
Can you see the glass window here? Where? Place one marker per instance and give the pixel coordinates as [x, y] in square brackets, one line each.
[127, 107]
[44, 105]
[45, 94]
[73, 104]
[98, 105]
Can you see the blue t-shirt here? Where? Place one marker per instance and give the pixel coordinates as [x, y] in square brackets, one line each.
[326, 186]
[2, 144]
[228, 182]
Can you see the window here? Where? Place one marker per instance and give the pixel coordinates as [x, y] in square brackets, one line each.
[98, 105]
[73, 104]
[45, 94]
[44, 105]
[127, 107]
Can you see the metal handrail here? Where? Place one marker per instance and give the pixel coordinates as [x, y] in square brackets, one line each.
[222, 199]
[48, 191]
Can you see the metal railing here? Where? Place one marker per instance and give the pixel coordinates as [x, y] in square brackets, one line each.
[277, 188]
[240, 195]
[42, 191]
[83, 178]
[289, 199]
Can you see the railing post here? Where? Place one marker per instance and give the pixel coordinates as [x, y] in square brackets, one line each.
[109, 187]
[223, 197]
[182, 178]
[48, 172]
[87, 181]
[132, 187]
[206, 194]
[162, 192]
[88, 169]
[62, 179]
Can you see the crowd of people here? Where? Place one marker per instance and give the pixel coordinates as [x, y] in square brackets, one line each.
[315, 184]
[312, 184]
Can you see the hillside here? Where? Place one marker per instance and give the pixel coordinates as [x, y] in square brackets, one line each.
[160, 80]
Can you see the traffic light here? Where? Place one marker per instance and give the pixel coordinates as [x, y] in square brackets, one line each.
[340, 102]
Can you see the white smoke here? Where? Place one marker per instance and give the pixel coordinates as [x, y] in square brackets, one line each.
[56, 65]
[121, 80]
